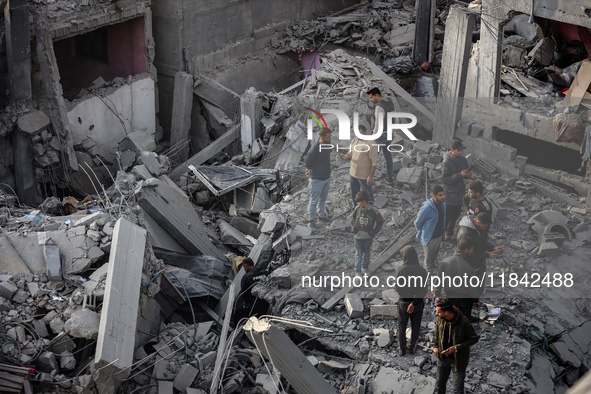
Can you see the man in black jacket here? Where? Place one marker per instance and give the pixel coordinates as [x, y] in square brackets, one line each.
[366, 223]
[411, 285]
[318, 170]
[476, 228]
[465, 295]
[453, 337]
[474, 202]
[455, 169]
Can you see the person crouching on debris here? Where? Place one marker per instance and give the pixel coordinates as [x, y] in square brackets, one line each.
[430, 226]
[366, 222]
[453, 337]
[411, 285]
[247, 304]
[318, 170]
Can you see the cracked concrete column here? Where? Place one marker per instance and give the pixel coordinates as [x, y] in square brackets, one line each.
[182, 104]
[489, 62]
[454, 68]
[251, 108]
[18, 48]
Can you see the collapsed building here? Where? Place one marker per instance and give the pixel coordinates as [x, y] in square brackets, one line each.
[161, 143]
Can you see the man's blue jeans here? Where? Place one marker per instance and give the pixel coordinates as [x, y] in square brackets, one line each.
[356, 186]
[363, 247]
[318, 194]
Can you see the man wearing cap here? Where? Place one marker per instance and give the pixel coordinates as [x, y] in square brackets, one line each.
[455, 170]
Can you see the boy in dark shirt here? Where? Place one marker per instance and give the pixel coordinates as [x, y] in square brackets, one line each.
[366, 222]
[474, 202]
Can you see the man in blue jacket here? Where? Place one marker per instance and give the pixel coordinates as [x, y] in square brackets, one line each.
[318, 170]
[430, 225]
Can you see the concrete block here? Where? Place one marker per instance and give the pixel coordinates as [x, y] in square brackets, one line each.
[20, 297]
[139, 141]
[33, 288]
[283, 241]
[246, 225]
[390, 380]
[7, 289]
[40, 328]
[46, 362]
[484, 168]
[150, 160]
[390, 296]
[83, 324]
[385, 339]
[497, 380]
[67, 361]
[524, 186]
[383, 312]
[422, 146]
[165, 387]
[33, 122]
[548, 249]
[411, 177]
[271, 221]
[301, 231]
[208, 358]
[185, 377]
[557, 238]
[499, 212]
[503, 180]
[520, 162]
[381, 201]
[435, 159]
[476, 130]
[52, 262]
[5, 305]
[396, 165]
[354, 305]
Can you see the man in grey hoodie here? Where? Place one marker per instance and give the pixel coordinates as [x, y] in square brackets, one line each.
[476, 228]
[455, 170]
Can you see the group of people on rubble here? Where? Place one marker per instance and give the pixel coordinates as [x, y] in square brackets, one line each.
[435, 224]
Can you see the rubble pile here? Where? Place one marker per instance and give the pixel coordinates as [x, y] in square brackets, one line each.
[384, 30]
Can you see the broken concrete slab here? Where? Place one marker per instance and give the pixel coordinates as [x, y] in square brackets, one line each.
[287, 357]
[177, 216]
[117, 329]
[391, 380]
[246, 225]
[182, 105]
[33, 122]
[498, 380]
[7, 289]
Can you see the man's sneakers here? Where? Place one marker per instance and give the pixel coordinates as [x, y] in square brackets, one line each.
[410, 350]
[401, 352]
[364, 270]
[312, 225]
[324, 219]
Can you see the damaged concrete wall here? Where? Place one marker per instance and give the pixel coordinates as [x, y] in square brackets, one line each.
[194, 35]
[100, 124]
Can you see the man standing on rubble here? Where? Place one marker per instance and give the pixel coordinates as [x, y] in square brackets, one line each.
[366, 223]
[430, 225]
[318, 170]
[383, 106]
[364, 160]
[476, 228]
[461, 295]
[411, 285]
[455, 170]
[453, 337]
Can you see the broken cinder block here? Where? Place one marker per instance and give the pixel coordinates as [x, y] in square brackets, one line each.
[383, 312]
[354, 305]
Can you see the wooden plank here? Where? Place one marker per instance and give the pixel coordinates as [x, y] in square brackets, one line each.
[454, 70]
[205, 154]
[379, 261]
[177, 216]
[579, 87]
[522, 85]
[392, 84]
